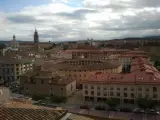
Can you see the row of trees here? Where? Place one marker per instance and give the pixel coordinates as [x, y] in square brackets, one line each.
[143, 103]
[157, 64]
[53, 98]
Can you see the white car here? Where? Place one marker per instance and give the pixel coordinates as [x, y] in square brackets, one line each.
[152, 111]
[136, 110]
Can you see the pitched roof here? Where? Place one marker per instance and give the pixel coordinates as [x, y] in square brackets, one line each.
[130, 78]
[30, 114]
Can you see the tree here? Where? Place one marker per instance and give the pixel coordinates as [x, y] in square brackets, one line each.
[111, 102]
[58, 99]
[145, 103]
[37, 97]
[65, 47]
[156, 63]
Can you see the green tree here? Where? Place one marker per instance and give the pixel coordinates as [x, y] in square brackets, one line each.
[65, 47]
[37, 97]
[58, 99]
[145, 103]
[112, 102]
[156, 63]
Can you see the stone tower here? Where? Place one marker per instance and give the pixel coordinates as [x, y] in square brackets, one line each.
[14, 44]
[36, 41]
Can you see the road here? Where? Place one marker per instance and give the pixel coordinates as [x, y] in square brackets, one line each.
[4, 95]
[113, 114]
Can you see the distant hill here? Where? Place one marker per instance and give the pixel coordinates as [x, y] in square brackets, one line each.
[141, 38]
[6, 42]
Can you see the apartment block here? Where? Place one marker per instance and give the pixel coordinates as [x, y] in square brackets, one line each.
[47, 83]
[11, 68]
[125, 88]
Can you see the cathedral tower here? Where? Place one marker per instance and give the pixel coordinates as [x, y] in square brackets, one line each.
[36, 40]
[14, 44]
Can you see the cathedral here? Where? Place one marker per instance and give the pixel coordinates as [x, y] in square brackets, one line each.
[14, 44]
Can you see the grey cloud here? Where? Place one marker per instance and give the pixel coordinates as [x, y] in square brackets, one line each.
[146, 3]
[77, 14]
[141, 21]
[23, 19]
[123, 5]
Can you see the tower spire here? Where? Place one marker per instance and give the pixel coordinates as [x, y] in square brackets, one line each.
[14, 37]
[36, 40]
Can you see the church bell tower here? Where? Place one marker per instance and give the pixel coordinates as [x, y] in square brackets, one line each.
[36, 41]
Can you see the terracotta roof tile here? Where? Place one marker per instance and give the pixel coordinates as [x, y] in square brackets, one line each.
[130, 78]
[30, 114]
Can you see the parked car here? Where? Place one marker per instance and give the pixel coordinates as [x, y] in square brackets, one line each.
[98, 107]
[125, 110]
[152, 111]
[113, 109]
[84, 107]
[138, 110]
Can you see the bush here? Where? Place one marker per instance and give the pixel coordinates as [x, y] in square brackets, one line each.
[58, 99]
[84, 107]
[37, 97]
[100, 108]
[125, 110]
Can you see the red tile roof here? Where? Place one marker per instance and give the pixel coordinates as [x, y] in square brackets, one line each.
[141, 64]
[130, 78]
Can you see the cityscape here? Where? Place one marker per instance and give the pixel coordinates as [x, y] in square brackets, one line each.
[80, 74]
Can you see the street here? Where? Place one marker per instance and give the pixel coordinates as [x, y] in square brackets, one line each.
[72, 107]
[115, 114]
[4, 95]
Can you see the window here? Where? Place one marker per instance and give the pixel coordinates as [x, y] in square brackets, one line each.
[104, 88]
[105, 94]
[154, 89]
[86, 92]
[154, 95]
[132, 89]
[118, 89]
[8, 70]
[125, 94]
[42, 82]
[111, 88]
[51, 88]
[111, 94]
[147, 95]
[92, 92]
[125, 89]
[98, 93]
[92, 87]
[147, 89]
[132, 95]
[139, 89]
[139, 95]
[98, 87]
[61, 89]
[118, 94]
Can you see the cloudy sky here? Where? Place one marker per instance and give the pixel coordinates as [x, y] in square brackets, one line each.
[58, 20]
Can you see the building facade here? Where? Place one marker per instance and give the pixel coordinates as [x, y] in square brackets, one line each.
[126, 89]
[79, 69]
[12, 68]
[47, 83]
[142, 81]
